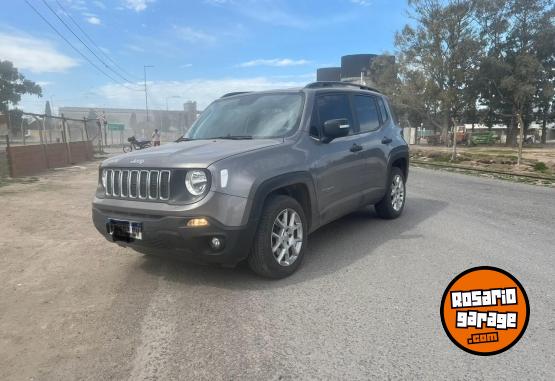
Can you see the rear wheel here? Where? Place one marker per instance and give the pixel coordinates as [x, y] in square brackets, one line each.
[280, 241]
[392, 204]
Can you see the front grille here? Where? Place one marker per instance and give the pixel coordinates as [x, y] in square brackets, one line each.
[134, 184]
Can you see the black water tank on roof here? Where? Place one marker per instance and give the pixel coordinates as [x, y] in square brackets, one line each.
[328, 74]
[352, 65]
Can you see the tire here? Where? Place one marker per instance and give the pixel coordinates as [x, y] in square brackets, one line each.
[127, 148]
[262, 259]
[391, 207]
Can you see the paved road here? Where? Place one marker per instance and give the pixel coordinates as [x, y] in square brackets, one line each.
[365, 303]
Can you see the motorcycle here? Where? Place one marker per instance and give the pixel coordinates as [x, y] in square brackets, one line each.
[135, 144]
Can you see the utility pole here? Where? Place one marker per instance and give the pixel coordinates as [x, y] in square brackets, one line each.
[146, 95]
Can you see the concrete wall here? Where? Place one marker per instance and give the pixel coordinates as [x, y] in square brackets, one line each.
[34, 159]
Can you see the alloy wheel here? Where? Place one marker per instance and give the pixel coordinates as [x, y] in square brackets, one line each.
[287, 237]
[397, 193]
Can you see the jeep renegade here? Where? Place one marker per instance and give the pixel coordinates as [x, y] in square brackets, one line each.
[255, 174]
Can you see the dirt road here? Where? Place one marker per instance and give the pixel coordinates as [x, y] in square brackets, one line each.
[365, 303]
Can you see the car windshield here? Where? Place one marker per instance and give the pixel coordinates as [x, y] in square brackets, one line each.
[249, 116]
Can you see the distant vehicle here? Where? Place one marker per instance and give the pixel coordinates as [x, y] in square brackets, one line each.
[135, 144]
[255, 174]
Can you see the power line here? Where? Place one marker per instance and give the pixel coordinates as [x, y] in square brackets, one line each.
[73, 46]
[84, 44]
[94, 43]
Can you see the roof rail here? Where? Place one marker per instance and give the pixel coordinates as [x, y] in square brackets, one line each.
[235, 93]
[321, 84]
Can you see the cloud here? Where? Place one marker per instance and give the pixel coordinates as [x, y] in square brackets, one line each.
[189, 34]
[184, 66]
[279, 14]
[135, 48]
[363, 3]
[78, 5]
[137, 5]
[273, 15]
[33, 54]
[204, 91]
[218, 2]
[278, 62]
[99, 4]
[93, 20]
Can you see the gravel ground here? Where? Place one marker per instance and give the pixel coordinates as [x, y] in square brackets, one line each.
[365, 303]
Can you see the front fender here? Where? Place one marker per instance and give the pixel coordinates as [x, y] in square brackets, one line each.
[261, 190]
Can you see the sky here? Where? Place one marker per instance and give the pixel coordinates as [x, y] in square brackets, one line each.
[199, 49]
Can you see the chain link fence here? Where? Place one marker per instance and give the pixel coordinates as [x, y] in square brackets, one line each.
[31, 143]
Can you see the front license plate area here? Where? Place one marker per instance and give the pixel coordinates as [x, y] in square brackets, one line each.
[122, 230]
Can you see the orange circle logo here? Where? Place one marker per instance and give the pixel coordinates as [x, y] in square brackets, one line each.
[485, 310]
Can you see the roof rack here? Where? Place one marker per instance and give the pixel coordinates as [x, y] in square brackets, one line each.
[322, 84]
[235, 93]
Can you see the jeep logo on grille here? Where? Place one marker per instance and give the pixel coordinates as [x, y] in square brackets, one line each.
[137, 161]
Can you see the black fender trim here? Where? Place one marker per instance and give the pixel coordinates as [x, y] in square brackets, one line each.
[260, 192]
[400, 152]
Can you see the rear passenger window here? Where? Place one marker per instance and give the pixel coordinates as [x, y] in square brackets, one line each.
[334, 106]
[367, 113]
[383, 110]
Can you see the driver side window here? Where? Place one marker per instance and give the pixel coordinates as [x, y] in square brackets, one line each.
[334, 106]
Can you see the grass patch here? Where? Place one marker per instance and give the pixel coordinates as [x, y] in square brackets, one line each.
[24, 180]
[540, 166]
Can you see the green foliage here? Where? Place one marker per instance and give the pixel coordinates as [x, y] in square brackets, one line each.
[13, 85]
[474, 61]
[540, 166]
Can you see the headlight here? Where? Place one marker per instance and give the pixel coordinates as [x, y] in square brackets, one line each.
[196, 182]
[104, 178]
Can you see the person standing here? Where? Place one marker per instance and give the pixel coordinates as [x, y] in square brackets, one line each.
[155, 138]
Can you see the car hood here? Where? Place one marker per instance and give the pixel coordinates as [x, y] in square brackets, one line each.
[188, 154]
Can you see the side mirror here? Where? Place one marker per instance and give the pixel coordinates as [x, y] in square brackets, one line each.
[335, 128]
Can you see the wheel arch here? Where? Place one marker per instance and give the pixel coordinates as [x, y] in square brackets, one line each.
[298, 185]
[399, 158]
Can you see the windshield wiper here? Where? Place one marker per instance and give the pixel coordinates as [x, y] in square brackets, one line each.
[183, 139]
[234, 137]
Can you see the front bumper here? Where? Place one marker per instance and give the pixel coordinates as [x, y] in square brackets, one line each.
[168, 235]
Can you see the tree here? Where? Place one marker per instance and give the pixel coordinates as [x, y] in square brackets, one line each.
[49, 123]
[438, 60]
[47, 109]
[12, 86]
[516, 51]
[545, 91]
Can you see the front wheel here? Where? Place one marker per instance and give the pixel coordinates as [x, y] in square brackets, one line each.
[280, 241]
[392, 204]
[127, 148]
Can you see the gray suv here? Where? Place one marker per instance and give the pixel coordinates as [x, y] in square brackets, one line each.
[255, 175]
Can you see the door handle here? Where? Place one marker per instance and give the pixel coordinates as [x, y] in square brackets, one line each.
[386, 140]
[356, 147]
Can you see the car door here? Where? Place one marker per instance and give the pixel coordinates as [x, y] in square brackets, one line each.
[374, 146]
[338, 164]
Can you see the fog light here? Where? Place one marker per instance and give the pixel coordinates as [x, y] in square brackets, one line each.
[216, 243]
[197, 222]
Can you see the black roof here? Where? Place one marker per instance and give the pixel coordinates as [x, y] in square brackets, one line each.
[324, 84]
[235, 93]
